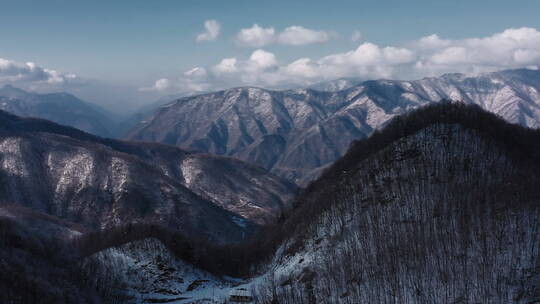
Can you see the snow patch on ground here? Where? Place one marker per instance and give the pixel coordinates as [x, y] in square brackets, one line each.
[150, 273]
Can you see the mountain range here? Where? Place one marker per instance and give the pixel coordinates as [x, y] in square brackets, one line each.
[441, 203]
[297, 133]
[406, 197]
[293, 133]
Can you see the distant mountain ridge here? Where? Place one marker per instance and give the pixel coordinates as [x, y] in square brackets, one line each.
[297, 133]
[62, 108]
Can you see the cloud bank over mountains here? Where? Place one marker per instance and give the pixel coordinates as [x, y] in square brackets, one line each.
[426, 56]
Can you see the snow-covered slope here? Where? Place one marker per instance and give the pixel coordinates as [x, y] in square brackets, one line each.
[249, 191]
[145, 271]
[296, 133]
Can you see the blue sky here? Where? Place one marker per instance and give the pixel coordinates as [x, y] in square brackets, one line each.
[131, 44]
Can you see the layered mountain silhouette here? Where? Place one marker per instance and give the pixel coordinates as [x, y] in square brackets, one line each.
[62, 108]
[297, 133]
[441, 203]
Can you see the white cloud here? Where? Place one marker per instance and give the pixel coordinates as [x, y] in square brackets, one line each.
[451, 55]
[302, 67]
[32, 76]
[160, 85]
[227, 65]
[194, 80]
[431, 42]
[261, 60]
[427, 56]
[512, 48]
[255, 36]
[356, 36]
[295, 35]
[212, 28]
[298, 35]
[526, 56]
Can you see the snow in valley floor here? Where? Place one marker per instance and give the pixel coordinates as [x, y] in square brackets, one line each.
[148, 273]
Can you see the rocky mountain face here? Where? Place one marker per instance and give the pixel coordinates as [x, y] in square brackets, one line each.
[62, 108]
[442, 204]
[103, 183]
[297, 133]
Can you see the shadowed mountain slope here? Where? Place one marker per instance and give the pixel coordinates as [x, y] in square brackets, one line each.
[103, 183]
[443, 203]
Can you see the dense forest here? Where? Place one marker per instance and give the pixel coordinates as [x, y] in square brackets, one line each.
[441, 205]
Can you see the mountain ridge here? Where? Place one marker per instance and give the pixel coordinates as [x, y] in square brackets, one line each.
[86, 170]
[296, 133]
[63, 108]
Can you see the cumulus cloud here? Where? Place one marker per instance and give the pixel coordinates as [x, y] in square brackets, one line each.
[160, 85]
[257, 36]
[512, 48]
[212, 29]
[298, 35]
[261, 60]
[431, 42]
[426, 56]
[193, 80]
[227, 65]
[31, 75]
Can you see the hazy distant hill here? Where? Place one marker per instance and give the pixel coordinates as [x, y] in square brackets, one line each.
[62, 108]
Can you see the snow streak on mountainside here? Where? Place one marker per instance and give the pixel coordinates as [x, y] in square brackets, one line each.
[296, 133]
[62, 108]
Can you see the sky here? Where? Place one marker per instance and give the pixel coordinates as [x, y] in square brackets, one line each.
[124, 54]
